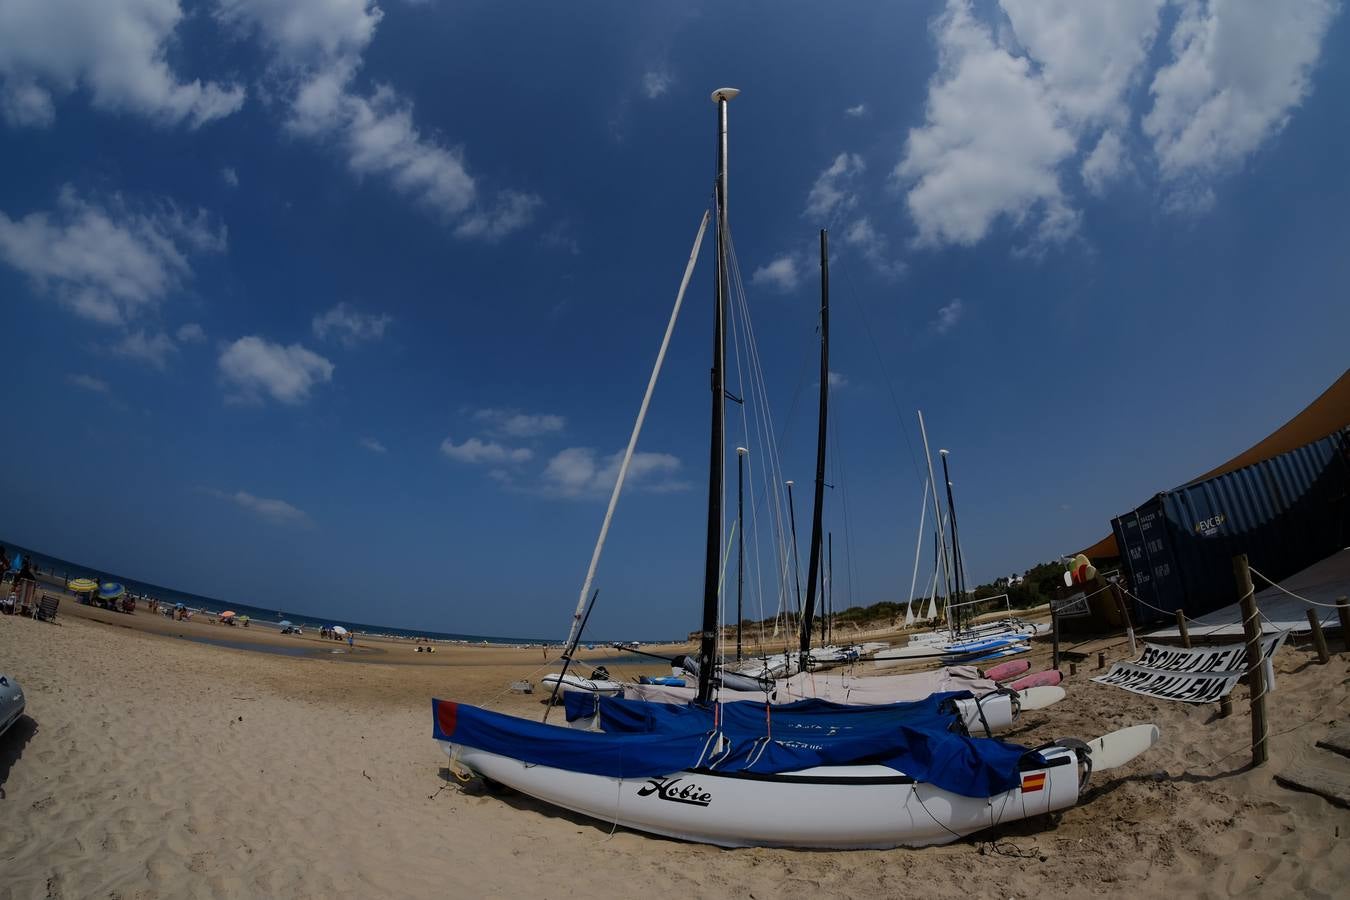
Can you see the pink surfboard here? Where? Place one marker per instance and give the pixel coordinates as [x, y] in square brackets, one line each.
[1048, 678]
[1004, 671]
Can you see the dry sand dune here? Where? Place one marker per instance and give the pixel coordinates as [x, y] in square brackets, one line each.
[156, 767]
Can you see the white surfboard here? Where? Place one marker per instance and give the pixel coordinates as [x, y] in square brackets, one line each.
[1119, 747]
[1041, 697]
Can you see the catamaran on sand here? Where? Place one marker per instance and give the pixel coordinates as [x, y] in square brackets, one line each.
[740, 773]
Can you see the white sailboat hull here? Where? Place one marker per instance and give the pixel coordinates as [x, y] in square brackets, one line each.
[824, 808]
[577, 683]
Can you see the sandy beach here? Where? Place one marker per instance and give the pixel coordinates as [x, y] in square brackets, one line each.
[155, 766]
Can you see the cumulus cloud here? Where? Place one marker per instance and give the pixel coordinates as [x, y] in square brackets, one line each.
[833, 189]
[856, 112]
[253, 368]
[990, 145]
[656, 83]
[579, 472]
[116, 50]
[152, 349]
[516, 424]
[373, 445]
[278, 512]
[948, 316]
[512, 212]
[782, 274]
[317, 47]
[476, 451]
[873, 246]
[190, 333]
[1045, 84]
[230, 177]
[1237, 71]
[87, 382]
[349, 326]
[837, 380]
[108, 261]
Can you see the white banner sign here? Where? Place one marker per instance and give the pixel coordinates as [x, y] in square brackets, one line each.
[1199, 675]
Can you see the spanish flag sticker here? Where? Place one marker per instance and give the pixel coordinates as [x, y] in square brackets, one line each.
[1033, 782]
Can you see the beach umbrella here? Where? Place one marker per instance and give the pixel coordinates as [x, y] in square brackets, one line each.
[227, 614]
[110, 590]
[179, 606]
[244, 619]
[285, 622]
[82, 585]
[338, 629]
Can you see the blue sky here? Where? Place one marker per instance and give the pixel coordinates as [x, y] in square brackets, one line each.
[346, 307]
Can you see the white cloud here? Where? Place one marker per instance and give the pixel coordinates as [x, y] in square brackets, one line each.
[514, 423]
[191, 333]
[1237, 71]
[253, 367]
[278, 512]
[514, 210]
[114, 49]
[1105, 163]
[349, 326]
[88, 382]
[475, 451]
[656, 83]
[856, 112]
[1089, 52]
[152, 349]
[837, 380]
[990, 144]
[948, 316]
[873, 246]
[578, 472]
[317, 48]
[108, 262]
[230, 177]
[373, 445]
[781, 274]
[832, 191]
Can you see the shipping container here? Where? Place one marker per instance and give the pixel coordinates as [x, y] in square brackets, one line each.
[1285, 513]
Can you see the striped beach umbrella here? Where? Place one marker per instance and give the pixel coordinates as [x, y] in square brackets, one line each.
[82, 585]
[110, 590]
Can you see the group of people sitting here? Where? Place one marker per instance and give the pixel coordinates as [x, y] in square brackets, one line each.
[18, 590]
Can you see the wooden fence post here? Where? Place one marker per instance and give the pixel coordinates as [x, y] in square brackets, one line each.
[1319, 639]
[1125, 615]
[1343, 610]
[1181, 627]
[1256, 670]
[1101, 659]
[1054, 637]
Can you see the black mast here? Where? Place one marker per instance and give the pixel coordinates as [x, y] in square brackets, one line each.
[740, 537]
[796, 566]
[712, 563]
[956, 546]
[813, 560]
[829, 585]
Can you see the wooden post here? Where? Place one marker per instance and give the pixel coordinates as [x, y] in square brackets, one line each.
[1319, 639]
[1225, 706]
[1256, 670]
[1181, 627]
[1054, 637]
[1125, 616]
[1343, 610]
[1101, 659]
[1073, 668]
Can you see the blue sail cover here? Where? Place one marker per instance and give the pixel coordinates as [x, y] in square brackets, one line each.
[754, 719]
[971, 767]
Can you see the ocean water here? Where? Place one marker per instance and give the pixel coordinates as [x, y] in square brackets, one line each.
[265, 616]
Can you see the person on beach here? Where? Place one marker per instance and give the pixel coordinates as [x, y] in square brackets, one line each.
[351, 640]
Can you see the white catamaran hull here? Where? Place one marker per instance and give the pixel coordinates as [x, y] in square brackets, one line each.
[850, 807]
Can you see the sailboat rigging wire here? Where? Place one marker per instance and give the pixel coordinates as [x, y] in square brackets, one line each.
[637, 430]
[918, 548]
[890, 387]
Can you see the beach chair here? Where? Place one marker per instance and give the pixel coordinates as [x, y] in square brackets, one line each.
[46, 611]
